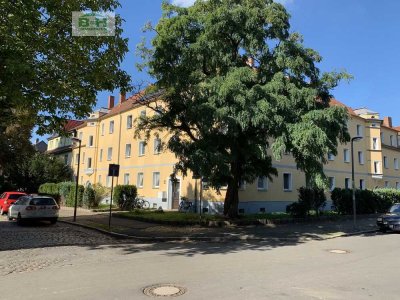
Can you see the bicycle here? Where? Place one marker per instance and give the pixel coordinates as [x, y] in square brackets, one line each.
[185, 206]
[137, 203]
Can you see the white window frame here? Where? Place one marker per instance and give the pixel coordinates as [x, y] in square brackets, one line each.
[391, 138]
[397, 185]
[290, 188]
[387, 184]
[396, 163]
[359, 130]
[108, 181]
[264, 181]
[346, 155]
[375, 143]
[385, 162]
[156, 184]
[140, 180]
[377, 167]
[129, 122]
[109, 153]
[111, 127]
[331, 157]
[157, 146]
[126, 178]
[89, 162]
[128, 153]
[142, 148]
[360, 155]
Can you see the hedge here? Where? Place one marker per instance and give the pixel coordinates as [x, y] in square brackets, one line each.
[63, 192]
[129, 190]
[367, 201]
[89, 198]
[309, 199]
[50, 189]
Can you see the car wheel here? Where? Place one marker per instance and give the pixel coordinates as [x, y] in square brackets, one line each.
[53, 221]
[9, 217]
[19, 219]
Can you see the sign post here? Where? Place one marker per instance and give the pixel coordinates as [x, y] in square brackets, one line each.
[113, 171]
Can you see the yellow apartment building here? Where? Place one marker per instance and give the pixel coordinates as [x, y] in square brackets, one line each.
[108, 138]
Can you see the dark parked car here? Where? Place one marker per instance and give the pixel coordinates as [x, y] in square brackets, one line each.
[391, 220]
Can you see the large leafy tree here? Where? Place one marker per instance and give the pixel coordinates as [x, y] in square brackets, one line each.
[49, 72]
[238, 87]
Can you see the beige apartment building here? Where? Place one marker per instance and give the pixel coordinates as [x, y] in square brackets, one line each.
[108, 137]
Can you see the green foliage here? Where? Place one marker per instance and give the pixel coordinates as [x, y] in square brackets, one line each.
[51, 189]
[233, 78]
[309, 199]
[130, 192]
[45, 68]
[70, 200]
[65, 189]
[367, 201]
[89, 198]
[100, 192]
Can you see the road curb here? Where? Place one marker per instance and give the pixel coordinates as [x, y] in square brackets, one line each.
[205, 238]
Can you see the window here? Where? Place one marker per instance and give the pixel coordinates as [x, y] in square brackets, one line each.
[377, 167]
[81, 135]
[126, 178]
[382, 137]
[142, 148]
[109, 153]
[101, 155]
[397, 185]
[347, 183]
[111, 127]
[385, 162]
[331, 183]
[362, 184]
[387, 185]
[391, 140]
[157, 146]
[83, 158]
[99, 180]
[102, 129]
[129, 122]
[396, 164]
[262, 183]
[90, 140]
[346, 155]
[143, 113]
[140, 180]
[360, 157]
[359, 130]
[128, 148]
[76, 158]
[89, 162]
[108, 181]
[156, 179]
[375, 144]
[331, 156]
[287, 181]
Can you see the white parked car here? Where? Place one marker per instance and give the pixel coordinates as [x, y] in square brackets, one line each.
[34, 208]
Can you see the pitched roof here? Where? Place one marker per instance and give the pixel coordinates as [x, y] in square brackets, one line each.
[71, 124]
[334, 102]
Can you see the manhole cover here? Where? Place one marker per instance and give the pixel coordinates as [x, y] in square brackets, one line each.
[164, 290]
[338, 251]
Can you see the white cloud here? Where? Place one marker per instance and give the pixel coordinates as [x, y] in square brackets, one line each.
[184, 3]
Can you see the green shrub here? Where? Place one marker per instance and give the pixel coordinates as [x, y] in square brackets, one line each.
[309, 199]
[129, 190]
[65, 189]
[367, 201]
[89, 197]
[70, 200]
[100, 192]
[50, 189]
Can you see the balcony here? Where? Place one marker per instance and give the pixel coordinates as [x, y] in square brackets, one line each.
[89, 171]
[377, 176]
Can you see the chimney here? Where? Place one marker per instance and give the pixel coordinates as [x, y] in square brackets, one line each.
[387, 121]
[122, 98]
[110, 102]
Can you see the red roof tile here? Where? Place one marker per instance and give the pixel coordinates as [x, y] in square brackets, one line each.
[71, 124]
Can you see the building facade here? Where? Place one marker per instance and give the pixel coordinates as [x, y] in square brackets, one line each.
[108, 136]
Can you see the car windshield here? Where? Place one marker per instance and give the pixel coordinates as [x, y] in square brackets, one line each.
[42, 201]
[395, 209]
[14, 196]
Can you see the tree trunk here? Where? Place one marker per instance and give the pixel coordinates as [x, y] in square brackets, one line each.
[231, 203]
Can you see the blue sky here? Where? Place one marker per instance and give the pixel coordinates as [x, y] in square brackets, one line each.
[361, 36]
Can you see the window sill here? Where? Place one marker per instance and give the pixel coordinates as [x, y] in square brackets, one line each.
[262, 190]
[140, 155]
[288, 190]
[156, 187]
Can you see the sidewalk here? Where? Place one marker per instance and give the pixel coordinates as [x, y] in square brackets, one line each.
[155, 232]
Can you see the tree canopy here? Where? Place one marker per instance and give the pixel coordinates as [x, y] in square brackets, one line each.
[238, 88]
[47, 71]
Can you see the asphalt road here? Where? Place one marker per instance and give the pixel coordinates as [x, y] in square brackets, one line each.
[67, 262]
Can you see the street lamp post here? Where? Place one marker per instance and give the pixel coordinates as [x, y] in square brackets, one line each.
[77, 175]
[354, 139]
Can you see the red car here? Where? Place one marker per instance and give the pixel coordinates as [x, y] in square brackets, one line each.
[7, 199]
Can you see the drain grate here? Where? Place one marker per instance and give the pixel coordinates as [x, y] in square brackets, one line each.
[339, 251]
[164, 290]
